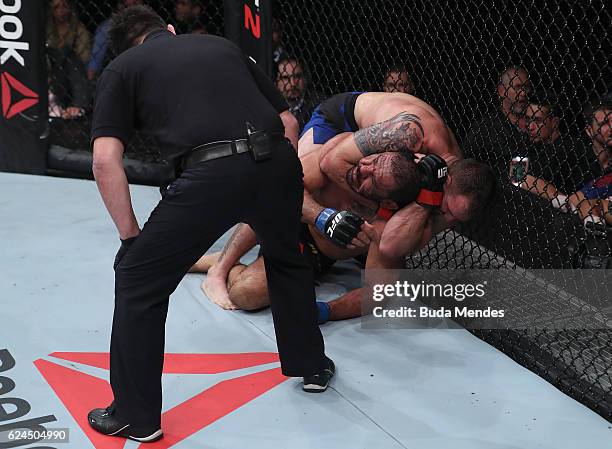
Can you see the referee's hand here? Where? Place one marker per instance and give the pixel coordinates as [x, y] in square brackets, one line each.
[123, 250]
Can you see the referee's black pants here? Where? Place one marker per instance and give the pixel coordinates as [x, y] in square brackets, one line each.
[197, 209]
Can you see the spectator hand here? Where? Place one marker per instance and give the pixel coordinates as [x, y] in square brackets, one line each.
[123, 250]
[518, 175]
[561, 202]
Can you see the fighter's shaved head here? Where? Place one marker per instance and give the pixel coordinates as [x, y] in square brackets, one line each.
[475, 180]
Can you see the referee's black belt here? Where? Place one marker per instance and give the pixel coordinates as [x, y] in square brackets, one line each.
[222, 148]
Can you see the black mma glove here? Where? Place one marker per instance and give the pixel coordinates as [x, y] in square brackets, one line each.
[123, 249]
[341, 227]
[433, 171]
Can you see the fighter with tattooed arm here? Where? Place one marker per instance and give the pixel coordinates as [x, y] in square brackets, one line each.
[345, 132]
[401, 123]
[333, 226]
[388, 122]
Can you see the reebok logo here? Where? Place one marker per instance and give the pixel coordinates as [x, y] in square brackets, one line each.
[14, 411]
[11, 29]
[80, 392]
[16, 97]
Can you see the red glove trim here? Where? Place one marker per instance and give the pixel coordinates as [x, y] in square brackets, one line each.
[429, 198]
[384, 213]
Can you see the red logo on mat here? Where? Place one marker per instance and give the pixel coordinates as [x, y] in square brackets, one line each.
[10, 84]
[80, 392]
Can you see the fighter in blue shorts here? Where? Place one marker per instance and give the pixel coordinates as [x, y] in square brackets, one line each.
[332, 117]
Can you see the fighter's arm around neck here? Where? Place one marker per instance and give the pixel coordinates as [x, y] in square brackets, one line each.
[418, 132]
[409, 230]
[402, 133]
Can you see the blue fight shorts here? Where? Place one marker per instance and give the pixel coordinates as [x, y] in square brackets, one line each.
[332, 117]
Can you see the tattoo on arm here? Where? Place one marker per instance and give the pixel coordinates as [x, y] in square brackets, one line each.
[404, 132]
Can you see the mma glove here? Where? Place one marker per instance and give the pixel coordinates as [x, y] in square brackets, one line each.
[123, 250]
[341, 227]
[433, 172]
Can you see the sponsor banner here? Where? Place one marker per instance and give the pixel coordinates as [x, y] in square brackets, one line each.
[548, 300]
[240, 378]
[248, 23]
[19, 426]
[23, 85]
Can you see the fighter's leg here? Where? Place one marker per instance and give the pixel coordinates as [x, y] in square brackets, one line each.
[215, 285]
[205, 262]
[224, 301]
[248, 289]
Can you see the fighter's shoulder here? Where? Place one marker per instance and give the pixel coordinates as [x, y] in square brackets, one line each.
[399, 109]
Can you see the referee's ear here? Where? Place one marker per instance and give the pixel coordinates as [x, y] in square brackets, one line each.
[171, 29]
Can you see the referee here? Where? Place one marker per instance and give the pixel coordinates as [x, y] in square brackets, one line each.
[218, 118]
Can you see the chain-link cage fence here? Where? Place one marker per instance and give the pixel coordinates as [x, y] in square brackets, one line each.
[523, 86]
[78, 49]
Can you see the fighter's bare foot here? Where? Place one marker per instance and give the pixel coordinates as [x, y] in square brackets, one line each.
[205, 262]
[215, 288]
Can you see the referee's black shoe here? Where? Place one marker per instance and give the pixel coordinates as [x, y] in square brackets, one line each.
[318, 383]
[104, 421]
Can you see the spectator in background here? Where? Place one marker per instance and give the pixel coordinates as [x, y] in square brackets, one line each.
[500, 134]
[188, 16]
[278, 51]
[65, 32]
[513, 89]
[69, 89]
[397, 80]
[598, 126]
[292, 82]
[99, 51]
[554, 155]
[596, 194]
[554, 182]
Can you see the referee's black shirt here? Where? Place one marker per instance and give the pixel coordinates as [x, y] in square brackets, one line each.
[184, 91]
